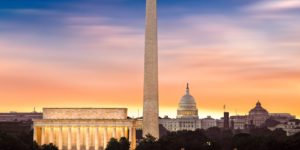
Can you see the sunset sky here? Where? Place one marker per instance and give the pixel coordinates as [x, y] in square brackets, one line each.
[73, 53]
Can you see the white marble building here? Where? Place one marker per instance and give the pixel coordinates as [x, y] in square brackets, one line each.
[19, 116]
[84, 128]
[282, 117]
[291, 127]
[239, 122]
[187, 116]
[208, 123]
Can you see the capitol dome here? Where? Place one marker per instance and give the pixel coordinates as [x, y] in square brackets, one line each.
[187, 107]
[258, 115]
[258, 110]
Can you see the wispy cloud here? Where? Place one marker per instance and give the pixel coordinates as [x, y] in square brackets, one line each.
[273, 5]
[93, 57]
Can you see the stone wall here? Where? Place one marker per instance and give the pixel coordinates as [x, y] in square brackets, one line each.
[85, 113]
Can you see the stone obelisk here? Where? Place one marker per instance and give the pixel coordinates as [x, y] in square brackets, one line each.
[150, 111]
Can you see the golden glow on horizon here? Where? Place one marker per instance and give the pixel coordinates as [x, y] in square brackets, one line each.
[228, 60]
[52, 86]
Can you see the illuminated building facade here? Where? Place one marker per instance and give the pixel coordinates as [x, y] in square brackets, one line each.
[84, 128]
[187, 116]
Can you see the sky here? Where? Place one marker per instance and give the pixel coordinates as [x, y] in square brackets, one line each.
[75, 53]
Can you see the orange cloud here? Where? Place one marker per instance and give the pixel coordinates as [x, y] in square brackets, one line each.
[101, 65]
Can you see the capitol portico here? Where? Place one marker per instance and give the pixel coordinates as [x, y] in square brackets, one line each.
[84, 128]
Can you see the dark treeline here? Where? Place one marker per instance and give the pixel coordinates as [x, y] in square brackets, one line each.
[217, 139]
[21, 141]
[211, 139]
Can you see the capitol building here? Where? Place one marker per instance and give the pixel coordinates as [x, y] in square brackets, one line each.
[187, 117]
[187, 108]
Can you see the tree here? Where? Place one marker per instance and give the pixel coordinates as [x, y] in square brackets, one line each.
[113, 144]
[10, 142]
[124, 143]
[36, 146]
[49, 147]
[293, 142]
[187, 140]
[148, 143]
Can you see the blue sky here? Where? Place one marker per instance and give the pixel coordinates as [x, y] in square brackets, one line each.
[52, 12]
[54, 52]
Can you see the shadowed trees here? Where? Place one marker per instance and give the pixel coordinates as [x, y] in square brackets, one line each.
[49, 147]
[218, 139]
[11, 142]
[114, 144]
[211, 139]
[293, 142]
[148, 143]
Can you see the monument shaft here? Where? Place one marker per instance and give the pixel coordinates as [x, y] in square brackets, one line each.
[150, 114]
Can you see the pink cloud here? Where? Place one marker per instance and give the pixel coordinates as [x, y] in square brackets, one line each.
[273, 5]
[216, 53]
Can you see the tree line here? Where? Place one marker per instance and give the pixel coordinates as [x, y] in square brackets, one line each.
[218, 139]
[211, 139]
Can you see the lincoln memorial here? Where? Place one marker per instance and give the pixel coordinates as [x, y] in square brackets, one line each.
[84, 128]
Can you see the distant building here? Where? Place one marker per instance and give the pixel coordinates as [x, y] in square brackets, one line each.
[18, 122]
[282, 117]
[258, 115]
[208, 122]
[19, 116]
[226, 120]
[220, 122]
[187, 116]
[291, 127]
[239, 122]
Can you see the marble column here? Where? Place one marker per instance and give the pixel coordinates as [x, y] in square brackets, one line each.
[69, 138]
[123, 132]
[60, 138]
[35, 130]
[78, 139]
[96, 138]
[51, 136]
[150, 105]
[130, 134]
[43, 136]
[105, 137]
[87, 138]
[114, 132]
[126, 133]
[133, 138]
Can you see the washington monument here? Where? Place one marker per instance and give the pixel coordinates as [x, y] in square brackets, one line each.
[150, 114]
